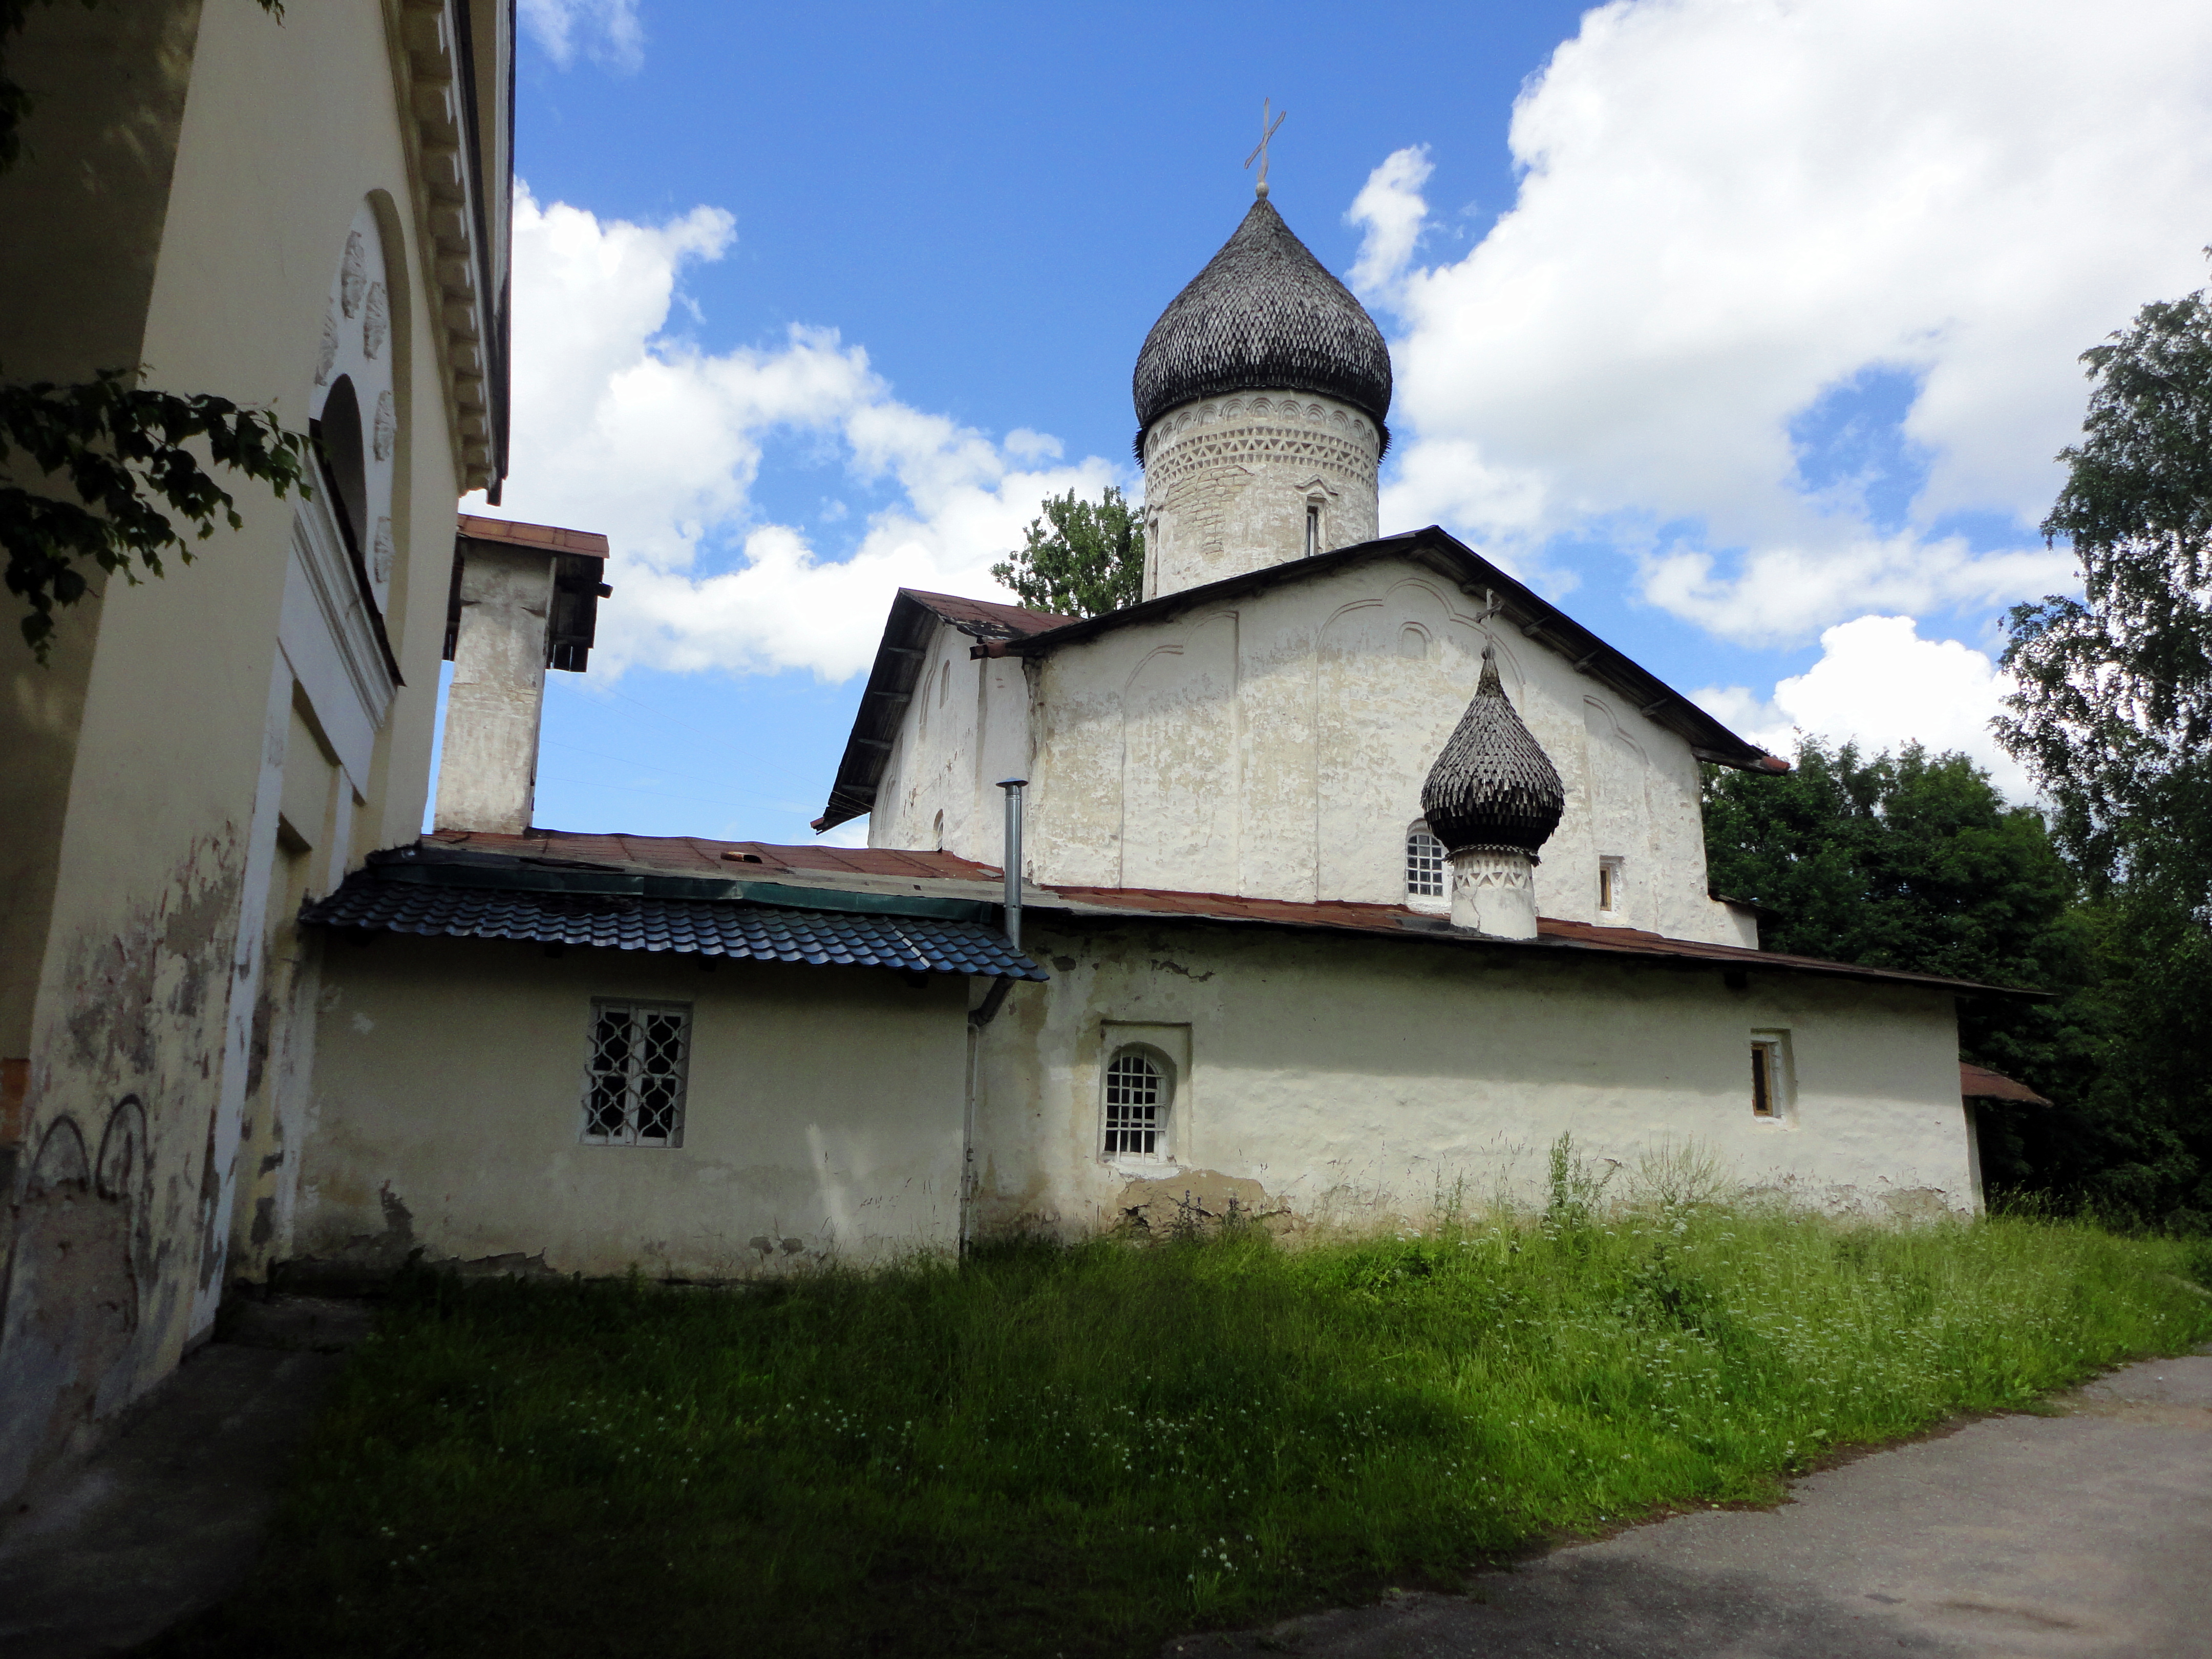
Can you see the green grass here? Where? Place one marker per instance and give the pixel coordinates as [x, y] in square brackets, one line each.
[1081, 1451]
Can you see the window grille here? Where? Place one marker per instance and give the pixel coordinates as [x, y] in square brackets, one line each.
[1425, 865]
[1136, 1107]
[633, 1090]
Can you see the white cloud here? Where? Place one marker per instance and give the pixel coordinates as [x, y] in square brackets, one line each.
[607, 30]
[1880, 682]
[1730, 208]
[621, 427]
[1390, 211]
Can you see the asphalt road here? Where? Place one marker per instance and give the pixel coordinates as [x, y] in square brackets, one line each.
[2050, 1537]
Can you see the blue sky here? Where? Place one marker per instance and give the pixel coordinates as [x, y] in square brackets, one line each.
[1748, 337]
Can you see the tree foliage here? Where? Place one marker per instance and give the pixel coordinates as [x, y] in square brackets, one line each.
[2114, 715]
[2113, 718]
[119, 448]
[1081, 558]
[1914, 861]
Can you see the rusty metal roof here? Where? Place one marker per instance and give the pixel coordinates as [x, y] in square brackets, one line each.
[1980, 1083]
[1400, 922]
[963, 889]
[542, 538]
[698, 855]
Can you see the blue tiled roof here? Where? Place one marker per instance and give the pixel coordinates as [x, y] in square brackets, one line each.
[631, 921]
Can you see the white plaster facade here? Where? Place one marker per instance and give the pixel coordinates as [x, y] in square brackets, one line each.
[1275, 746]
[1326, 1077]
[824, 1114]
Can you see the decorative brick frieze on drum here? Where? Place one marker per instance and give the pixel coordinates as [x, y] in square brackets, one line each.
[1229, 483]
[1261, 395]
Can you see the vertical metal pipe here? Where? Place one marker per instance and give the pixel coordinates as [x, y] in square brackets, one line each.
[1012, 856]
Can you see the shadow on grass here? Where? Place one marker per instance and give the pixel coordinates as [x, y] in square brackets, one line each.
[1081, 1450]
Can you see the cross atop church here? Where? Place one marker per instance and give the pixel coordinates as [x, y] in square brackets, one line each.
[1260, 155]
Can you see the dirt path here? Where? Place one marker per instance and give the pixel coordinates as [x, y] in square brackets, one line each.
[2054, 1537]
[166, 1517]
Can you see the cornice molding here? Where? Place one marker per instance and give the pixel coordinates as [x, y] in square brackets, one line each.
[455, 266]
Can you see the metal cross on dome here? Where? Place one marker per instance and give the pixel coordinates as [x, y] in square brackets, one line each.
[1261, 153]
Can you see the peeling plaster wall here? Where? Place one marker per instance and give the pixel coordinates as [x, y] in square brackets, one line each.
[1324, 1079]
[824, 1114]
[207, 166]
[967, 727]
[1277, 748]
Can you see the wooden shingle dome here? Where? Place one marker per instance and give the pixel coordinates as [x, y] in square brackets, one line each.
[1493, 789]
[1263, 315]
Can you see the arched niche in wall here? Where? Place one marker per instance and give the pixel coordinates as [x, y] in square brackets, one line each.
[354, 408]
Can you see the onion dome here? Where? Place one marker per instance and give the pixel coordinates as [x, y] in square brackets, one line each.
[1493, 789]
[1264, 313]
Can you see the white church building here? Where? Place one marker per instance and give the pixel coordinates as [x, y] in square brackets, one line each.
[1352, 873]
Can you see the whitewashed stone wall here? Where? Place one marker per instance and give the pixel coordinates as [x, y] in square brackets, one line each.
[1277, 748]
[1333, 1078]
[967, 727]
[1228, 482]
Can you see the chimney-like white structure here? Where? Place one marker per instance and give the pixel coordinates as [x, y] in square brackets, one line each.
[1260, 396]
[524, 598]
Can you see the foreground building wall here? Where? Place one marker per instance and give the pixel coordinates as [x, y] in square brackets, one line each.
[1323, 1078]
[824, 1114]
[206, 748]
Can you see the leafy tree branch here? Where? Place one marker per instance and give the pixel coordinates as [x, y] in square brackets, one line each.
[121, 449]
[1081, 558]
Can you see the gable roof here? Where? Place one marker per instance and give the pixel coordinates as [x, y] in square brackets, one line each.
[876, 724]
[891, 680]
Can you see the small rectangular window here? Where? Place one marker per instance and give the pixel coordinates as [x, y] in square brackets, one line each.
[1771, 1080]
[1608, 883]
[1135, 1109]
[634, 1086]
[1425, 865]
[1313, 528]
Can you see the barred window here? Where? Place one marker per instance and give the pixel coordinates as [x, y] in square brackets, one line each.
[1136, 1106]
[1424, 863]
[634, 1088]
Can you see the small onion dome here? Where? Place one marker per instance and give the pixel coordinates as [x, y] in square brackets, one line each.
[1493, 789]
[1264, 313]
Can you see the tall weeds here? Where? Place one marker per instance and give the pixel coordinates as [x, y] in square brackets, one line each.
[1050, 1450]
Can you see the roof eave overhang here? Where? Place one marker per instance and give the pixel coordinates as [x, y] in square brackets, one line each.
[453, 66]
[1432, 931]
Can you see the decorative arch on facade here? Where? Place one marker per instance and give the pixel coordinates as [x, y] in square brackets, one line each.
[353, 407]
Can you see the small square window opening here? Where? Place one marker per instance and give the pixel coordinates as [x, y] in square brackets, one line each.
[1136, 1107]
[634, 1086]
[1424, 863]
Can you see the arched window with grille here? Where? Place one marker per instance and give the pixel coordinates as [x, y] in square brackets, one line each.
[1139, 1094]
[1427, 873]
